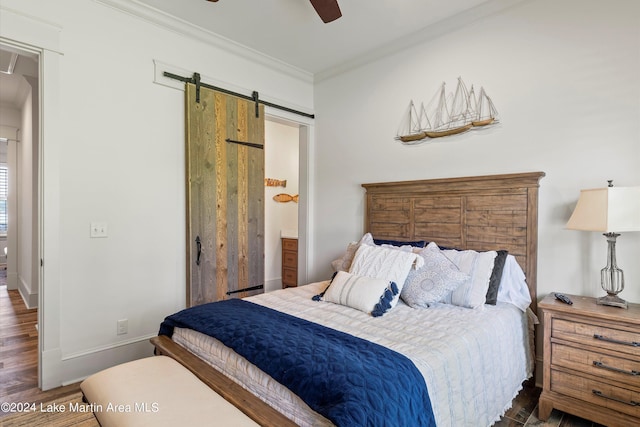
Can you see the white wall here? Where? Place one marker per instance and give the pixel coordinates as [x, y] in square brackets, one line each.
[118, 157]
[9, 132]
[10, 122]
[4, 149]
[564, 78]
[282, 163]
[27, 196]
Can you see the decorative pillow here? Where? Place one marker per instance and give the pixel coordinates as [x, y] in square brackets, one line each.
[431, 283]
[478, 265]
[363, 293]
[513, 287]
[496, 277]
[417, 244]
[384, 263]
[344, 263]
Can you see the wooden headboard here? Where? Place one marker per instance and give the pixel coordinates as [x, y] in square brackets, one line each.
[477, 212]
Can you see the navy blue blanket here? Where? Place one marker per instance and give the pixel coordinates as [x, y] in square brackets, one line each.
[351, 381]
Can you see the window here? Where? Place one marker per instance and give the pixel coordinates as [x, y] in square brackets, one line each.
[4, 190]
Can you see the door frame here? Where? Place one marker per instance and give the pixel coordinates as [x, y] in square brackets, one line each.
[43, 38]
[305, 184]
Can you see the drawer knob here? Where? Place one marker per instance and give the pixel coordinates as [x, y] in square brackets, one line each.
[611, 340]
[604, 396]
[612, 368]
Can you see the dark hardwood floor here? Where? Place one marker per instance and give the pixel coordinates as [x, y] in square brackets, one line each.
[524, 413]
[19, 378]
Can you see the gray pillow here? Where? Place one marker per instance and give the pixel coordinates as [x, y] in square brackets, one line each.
[435, 280]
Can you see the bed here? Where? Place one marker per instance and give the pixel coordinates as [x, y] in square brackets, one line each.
[472, 361]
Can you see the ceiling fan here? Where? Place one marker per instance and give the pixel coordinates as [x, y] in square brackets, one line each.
[328, 10]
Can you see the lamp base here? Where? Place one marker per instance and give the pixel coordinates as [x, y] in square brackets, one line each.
[613, 301]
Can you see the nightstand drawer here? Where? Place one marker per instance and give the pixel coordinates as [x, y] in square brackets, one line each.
[597, 393]
[290, 244]
[597, 336]
[615, 368]
[289, 259]
[289, 277]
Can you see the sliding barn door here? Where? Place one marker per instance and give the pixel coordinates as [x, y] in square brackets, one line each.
[225, 196]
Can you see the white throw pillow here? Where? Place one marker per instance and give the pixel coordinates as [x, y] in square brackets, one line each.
[435, 280]
[478, 265]
[513, 287]
[384, 263]
[363, 293]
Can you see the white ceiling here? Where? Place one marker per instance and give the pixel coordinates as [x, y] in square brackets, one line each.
[292, 32]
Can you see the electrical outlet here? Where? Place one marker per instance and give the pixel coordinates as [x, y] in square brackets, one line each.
[98, 229]
[123, 326]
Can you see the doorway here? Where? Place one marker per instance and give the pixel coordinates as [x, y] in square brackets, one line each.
[304, 127]
[19, 185]
[282, 168]
[19, 129]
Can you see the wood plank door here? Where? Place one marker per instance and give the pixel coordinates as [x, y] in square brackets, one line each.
[225, 196]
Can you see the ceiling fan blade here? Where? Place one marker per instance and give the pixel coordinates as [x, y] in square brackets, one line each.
[328, 10]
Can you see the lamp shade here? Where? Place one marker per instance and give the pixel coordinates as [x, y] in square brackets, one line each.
[609, 210]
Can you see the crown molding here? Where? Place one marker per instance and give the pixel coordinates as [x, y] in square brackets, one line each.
[180, 26]
[30, 31]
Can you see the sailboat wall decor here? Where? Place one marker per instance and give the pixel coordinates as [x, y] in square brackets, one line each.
[448, 114]
[413, 125]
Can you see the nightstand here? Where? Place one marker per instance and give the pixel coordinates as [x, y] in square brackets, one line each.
[289, 262]
[591, 361]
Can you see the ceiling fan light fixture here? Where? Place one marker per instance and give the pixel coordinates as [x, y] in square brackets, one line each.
[328, 10]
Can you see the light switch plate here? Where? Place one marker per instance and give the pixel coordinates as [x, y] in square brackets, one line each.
[98, 229]
[123, 326]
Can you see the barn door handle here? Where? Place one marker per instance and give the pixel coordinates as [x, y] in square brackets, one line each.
[199, 249]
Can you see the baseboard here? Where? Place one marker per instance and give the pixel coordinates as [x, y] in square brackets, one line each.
[272, 285]
[78, 366]
[12, 281]
[30, 299]
[50, 369]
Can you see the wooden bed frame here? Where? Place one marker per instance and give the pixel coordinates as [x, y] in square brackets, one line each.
[479, 212]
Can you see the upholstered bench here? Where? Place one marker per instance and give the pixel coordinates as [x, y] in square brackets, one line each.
[157, 391]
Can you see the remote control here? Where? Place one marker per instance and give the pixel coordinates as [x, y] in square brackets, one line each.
[565, 299]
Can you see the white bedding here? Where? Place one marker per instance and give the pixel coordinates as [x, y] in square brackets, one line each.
[473, 361]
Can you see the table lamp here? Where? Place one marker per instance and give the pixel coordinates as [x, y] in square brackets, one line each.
[610, 210]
